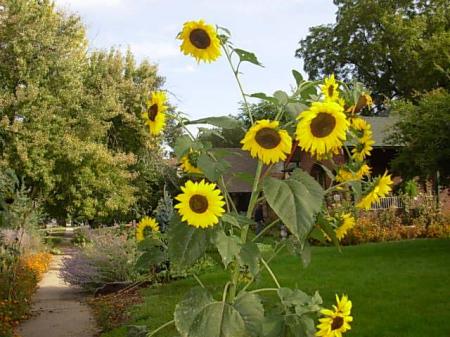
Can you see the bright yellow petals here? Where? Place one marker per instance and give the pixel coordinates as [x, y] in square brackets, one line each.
[266, 142]
[189, 163]
[347, 222]
[380, 189]
[200, 40]
[200, 204]
[155, 116]
[146, 224]
[363, 148]
[336, 321]
[367, 100]
[330, 89]
[345, 175]
[322, 129]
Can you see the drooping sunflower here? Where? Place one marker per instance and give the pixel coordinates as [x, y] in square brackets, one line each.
[266, 142]
[200, 204]
[155, 116]
[336, 321]
[380, 188]
[146, 224]
[189, 163]
[364, 100]
[200, 40]
[344, 175]
[347, 222]
[330, 89]
[363, 148]
[322, 128]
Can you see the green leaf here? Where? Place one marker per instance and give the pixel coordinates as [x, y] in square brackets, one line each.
[294, 109]
[150, 259]
[228, 246]
[137, 331]
[211, 168]
[298, 77]
[246, 56]
[182, 145]
[264, 97]
[305, 254]
[218, 319]
[149, 243]
[186, 243]
[252, 312]
[231, 219]
[295, 201]
[281, 97]
[293, 297]
[224, 122]
[250, 256]
[187, 309]
[274, 326]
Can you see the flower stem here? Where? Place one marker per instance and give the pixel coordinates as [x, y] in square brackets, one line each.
[236, 76]
[266, 265]
[263, 290]
[160, 328]
[265, 229]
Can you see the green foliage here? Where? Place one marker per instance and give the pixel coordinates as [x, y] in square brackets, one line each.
[70, 120]
[423, 132]
[394, 47]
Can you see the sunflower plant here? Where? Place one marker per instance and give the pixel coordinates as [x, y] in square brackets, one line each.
[320, 118]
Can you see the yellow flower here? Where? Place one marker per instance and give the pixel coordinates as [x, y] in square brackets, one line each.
[380, 189]
[266, 142]
[345, 175]
[347, 222]
[200, 40]
[363, 148]
[322, 128]
[336, 321]
[200, 204]
[155, 116]
[145, 224]
[330, 89]
[189, 163]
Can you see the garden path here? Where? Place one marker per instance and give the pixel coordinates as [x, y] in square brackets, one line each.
[58, 309]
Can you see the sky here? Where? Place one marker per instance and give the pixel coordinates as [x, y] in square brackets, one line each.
[269, 28]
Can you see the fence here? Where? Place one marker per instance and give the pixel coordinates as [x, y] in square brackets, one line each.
[388, 202]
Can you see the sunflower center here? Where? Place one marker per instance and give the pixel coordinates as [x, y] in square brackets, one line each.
[338, 322]
[268, 138]
[152, 112]
[198, 203]
[330, 90]
[322, 125]
[199, 38]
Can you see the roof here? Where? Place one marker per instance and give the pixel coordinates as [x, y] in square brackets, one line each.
[240, 161]
[381, 128]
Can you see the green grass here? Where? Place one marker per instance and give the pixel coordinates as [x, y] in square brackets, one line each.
[398, 289]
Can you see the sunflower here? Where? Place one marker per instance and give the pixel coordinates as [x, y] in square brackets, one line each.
[363, 148]
[336, 321]
[189, 163]
[322, 128]
[347, 222]
[330, 89]
[155, 116]
[144, 225]
[266, 142]
[381, 187]
[363, 101]
[200, 204]
[200, 40]
[344, 175]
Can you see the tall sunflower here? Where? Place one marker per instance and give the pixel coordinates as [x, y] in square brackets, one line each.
[330, 89]
[347, 221]
[200, 40]
[200, 204]
[146, 224]
[363, 148]
[266, 142]
[380, 188]
[155, 116]
[322, 129]
[189, 163]
[336, 321]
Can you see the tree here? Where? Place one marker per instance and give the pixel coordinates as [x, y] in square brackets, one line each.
[423, 130]
[70, 120]
[397, 48]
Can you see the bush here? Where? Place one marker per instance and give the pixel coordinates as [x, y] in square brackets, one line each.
[108, 256]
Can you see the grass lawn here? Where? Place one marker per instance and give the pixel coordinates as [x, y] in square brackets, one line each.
[398, 289]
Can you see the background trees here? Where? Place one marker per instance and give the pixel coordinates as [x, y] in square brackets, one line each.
[70, 120]
[396, 47]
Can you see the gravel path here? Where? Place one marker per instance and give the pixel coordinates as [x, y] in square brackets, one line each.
[58, 309]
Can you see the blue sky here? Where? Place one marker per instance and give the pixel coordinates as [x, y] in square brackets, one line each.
[270, 28]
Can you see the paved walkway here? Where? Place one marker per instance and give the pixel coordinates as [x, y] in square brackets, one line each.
[58, 310]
